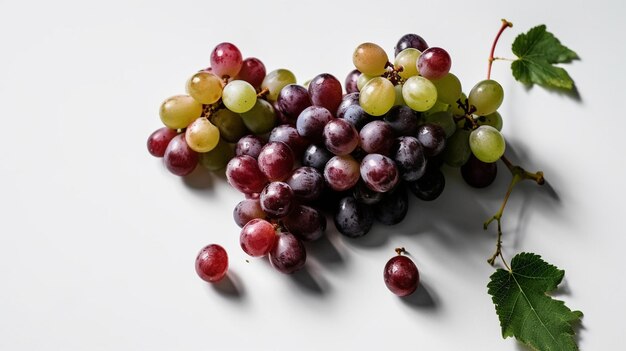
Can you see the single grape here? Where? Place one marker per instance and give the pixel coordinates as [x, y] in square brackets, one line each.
[356, 116]
[179, 111]
[341, 172]
[311, 122]
[217, 158]
[212, 263]
[226, 60]
[363, 194]
[410, 41]
[250, 145]
[443, 119]
[261, 118]
[204, 87]
[377, 137]
[288, 255]
[448, 88]
[434, 63]
[402, 120]
[292, 100]
[340, 137]
[379, 172]
[432, 137]
[277, 199]
[370, 59]
[275, 81]
[487, 143]
[257, 237]
[179, 158]
[353, 219]
[230, 124]
[350, 82]
[159, 139]
[419, 93]
[393, 207]
[350, 99]
[243, 174]
[409, 157]
[276, 160]
[252, 71]
[289, 135]
[477, 173]
[305, 222]
[457, 150]
[239, 96]
[401, 275]
[247, 210]
[407, 59]
[377, 96]
[325, 91]
[492, 119]
[306, 182]
[362, 80]
[316, 157]
[429, 186]
[486, 96]
[399, 98]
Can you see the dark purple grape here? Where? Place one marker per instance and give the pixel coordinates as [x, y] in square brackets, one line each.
[325, 91]
[377, 137]
[341, 172]
[179, 158]
[159, 139]
[276, 160]
[350, 82]
[429, 186]
[292, 100]
[340, 137]
[403, 120]
[277, 199]
[289, 135]
[316, 157]
[280, 116]
[363, 194]
[434, 63]
[353, 219]
[348, 100]
[243, 174]
[401, 275]
[252, 71]
[311, 122]
[288, 254]
[409, 157]
[432, 137]
[379, 172]
[393, 207]
[250, 145]
[477, 173]
[307, 183]
[410, 41]
[247, 210]
[306, 223]
[357, 116]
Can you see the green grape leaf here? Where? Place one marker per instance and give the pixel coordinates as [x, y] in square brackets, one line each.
[526, 311]
[537, 51]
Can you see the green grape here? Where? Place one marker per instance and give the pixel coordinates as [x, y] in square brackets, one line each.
[261, 118]
[419, 93]
[448, 88]
[443, 119]
[362, 80]
[407, 58]
[275, 81]
[178, 111]
[457, 150]
[492, 119]
[486, 96]
[377, 96]
[307, 83]
[399, 99]
[487, 144]
[239, 96]
[370, 59]
[217, 158]
[455, 109]
[205, 87]
[437, 107]
[230, 125]
[202, 135]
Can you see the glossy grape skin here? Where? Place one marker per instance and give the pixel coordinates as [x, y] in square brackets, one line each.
[407, 59]
[492, 119]
[305, 222]
[179, 158]
[341, 172]
[401, 275]
[362, 80]
[179, 111]
[429, 186]
[377, 137]
[239, 96]
[226, 60]
[419, 93]
[288, 254]
[487, 143]
[292, 100]
[353, 219]
[410, 41]
[212, 263]
[159, 139]
[252, 71]
[260, 119]
[377, 96]
[311, 122]
[448, 88]
[277, 199]
[307, 183]
[432, 137]
[402, 120]
[477, 173]
[409, 157]
[230, 124]
[457, 150]
[370, 59]
[275, 81]
[243, 174]
[289, 135]
[250, 145]
[350, 82]
[350, 99]
[434, 63]
[257, 237]
[276, 160]
[325, 91]
[486, 96]
[393, 207]
[340, 137]
[218, 157]
[356, 116]
[316, 157]
[205, 88]
[379, 172]
[247, 210]
[363, 194]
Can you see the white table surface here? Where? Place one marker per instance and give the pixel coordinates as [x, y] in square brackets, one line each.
[98, 240]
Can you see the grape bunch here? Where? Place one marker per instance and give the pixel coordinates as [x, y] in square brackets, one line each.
[300, 153]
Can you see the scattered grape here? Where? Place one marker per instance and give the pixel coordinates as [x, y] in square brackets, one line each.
[212, 263]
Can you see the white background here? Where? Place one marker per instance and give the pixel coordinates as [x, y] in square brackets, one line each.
[98, 240]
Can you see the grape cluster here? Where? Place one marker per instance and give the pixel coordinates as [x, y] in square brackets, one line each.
[301, 152]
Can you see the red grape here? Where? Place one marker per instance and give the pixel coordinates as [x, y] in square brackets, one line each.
[179, 158]
[257, 237]
[212, 263]
[401, 275]
[159, 139]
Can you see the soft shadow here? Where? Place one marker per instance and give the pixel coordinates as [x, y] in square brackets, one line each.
[563, 289]
[308, 282]
[230, 287]
[325, 251]
[374, 238]
[422, 298]
[573, 93]
[200, 179]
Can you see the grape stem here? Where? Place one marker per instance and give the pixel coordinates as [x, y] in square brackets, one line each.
[519, 174]
[400, 251]
[505, 24]
[263, 93]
